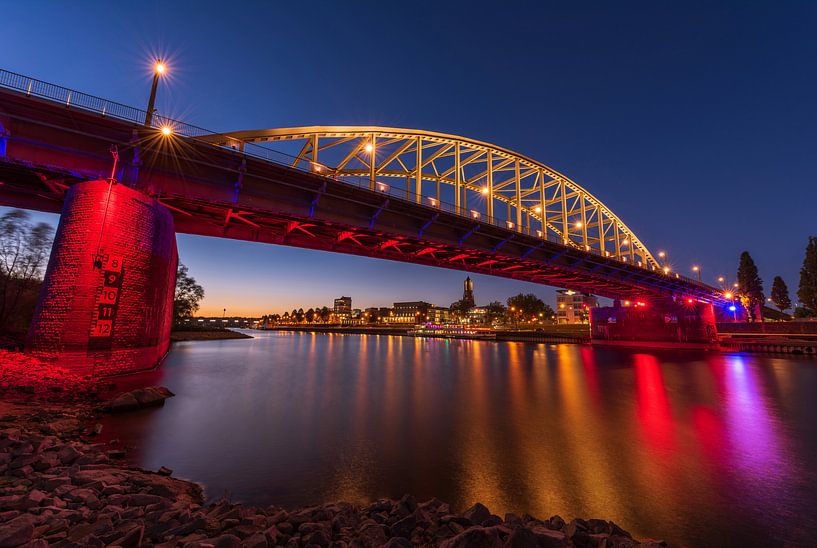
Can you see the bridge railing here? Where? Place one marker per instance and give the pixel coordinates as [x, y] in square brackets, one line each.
[33, 87]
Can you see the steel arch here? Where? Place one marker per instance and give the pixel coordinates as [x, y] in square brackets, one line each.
[478, 176]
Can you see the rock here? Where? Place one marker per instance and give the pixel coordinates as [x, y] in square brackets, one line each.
[17, 531]
[404, 527]
[68, 454]
[141, 499]
[596, 526]
[477, 514]
[556, 523]
[163, 471]
[548, 538]
[149, 397]
[398, 542]
[475, 537]
[227, 541]
[318, 537]
[492, 521]
[124, 403]
[131, 539]
[373, 534]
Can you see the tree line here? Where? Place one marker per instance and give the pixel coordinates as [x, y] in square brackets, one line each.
[750, 286]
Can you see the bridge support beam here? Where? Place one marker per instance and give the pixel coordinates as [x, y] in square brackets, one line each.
[106, 305]
[661, 322]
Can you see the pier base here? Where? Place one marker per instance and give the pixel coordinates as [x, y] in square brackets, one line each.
[672, 322]
[106, 305]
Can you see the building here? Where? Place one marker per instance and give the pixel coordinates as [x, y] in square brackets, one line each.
[478, 315]
[574, 307]
[411, 312]
[439, 315]
[468, 292]
[376, 314]
[343, 307]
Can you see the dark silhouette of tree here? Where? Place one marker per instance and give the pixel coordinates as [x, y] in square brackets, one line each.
[24, 250]
[527, 305]
[325, 314]
[310, 315]
[750, 286]
[495, 311]
[780, 294]
[807, 292]
[801, 312]
[187, 296]
[460, 308]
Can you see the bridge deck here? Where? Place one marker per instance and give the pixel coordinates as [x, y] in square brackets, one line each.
[215, 191]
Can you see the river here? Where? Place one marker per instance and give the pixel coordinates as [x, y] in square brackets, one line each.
[691, 447]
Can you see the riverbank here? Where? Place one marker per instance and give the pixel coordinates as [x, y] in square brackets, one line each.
[207, 335]
[556, 334]
[61, 487]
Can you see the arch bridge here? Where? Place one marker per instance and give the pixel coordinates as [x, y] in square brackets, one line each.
[398, 194]
[470, 178]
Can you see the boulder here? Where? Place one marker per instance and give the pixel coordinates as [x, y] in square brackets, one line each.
[17, 531]
[477, 514]
[124, 403]
[149, 397]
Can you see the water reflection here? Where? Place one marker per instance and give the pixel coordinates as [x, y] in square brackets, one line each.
[695, 448]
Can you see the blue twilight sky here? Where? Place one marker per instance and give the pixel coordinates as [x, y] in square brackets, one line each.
[696, 122]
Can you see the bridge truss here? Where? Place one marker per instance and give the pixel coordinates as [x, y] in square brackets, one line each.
[464, 176]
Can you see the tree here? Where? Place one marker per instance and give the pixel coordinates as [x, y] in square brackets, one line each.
[24, 249]
[324, 314]
[527, 304]
[807, 292]
[310, 315]
[801, 312]
[460, 308]
[495, 311]
[750, 286]
[780, 294]
[188, 294]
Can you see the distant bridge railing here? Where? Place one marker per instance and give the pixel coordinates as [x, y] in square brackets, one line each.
[33, 87]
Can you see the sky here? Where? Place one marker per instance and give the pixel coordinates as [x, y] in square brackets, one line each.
[695, 122]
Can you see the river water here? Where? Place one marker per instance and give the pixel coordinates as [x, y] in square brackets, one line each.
[692, 447]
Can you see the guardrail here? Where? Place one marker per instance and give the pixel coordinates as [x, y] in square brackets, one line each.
[33, 87]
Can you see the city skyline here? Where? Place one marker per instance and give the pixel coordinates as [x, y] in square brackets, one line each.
[693, 91]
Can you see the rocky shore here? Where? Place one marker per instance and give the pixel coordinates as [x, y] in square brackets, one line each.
[60, 487]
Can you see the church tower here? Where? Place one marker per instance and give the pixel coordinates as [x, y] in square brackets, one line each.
[468, 292]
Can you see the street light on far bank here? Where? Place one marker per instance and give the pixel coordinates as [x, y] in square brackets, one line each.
[159, 69]
[697, 269]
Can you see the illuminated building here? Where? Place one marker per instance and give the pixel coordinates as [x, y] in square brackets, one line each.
[574, 307]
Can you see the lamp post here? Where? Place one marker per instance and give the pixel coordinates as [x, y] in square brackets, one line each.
[697, 270]
[158, 70]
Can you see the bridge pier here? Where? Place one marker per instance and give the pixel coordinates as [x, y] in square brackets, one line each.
[106, 304]
[667, 321]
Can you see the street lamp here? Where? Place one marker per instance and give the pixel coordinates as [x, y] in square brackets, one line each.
[697, 270]
[159, 69]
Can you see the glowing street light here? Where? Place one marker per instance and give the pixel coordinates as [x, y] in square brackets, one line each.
[167, 131]
[159, 69]
[720, 279]
[578, 225]
[485, 190]
[727, 295]
[368, 147]
[697, 270]
[537, 209]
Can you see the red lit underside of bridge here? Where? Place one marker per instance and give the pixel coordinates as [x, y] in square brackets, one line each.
[213, 191]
